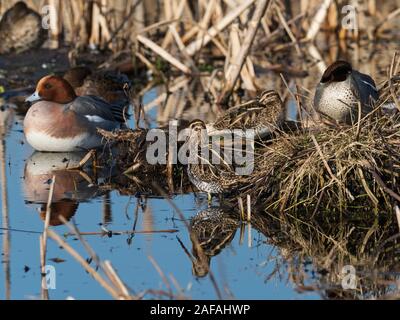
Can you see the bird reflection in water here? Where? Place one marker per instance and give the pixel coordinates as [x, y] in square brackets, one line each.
[211, 230]
[71, 186]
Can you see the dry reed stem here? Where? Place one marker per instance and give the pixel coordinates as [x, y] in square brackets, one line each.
[177, 84]
[318, 19]
[161, 274]
[176, 16]
[248, 197]
[43, 239]
[235, 68]
[313, 31]
[112, 274]
[205, 21]
[249, 236]
[235, 47]
[397, 210]
[196, 45]
[111, 290]
[5, 222]
[164, 54]
[288, 31]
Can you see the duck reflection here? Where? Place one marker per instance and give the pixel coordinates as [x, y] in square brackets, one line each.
[211, 230]
[70, 188]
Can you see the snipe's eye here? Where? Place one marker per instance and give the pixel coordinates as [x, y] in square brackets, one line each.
[48, 86]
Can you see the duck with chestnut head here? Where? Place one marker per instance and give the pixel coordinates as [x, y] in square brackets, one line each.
[341, 90]
[61, 121]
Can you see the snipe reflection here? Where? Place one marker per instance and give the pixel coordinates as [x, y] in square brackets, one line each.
[316, 251]
[211, 230]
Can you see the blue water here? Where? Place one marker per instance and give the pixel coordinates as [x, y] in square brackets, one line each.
[240, 270]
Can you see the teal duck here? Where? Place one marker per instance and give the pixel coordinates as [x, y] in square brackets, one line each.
[340, 91]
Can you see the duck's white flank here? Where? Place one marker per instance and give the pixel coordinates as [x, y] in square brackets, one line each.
[43, 142]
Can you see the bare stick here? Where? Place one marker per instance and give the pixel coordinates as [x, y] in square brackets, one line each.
[318, 19]
[196, 45]
[47, 222]
[248, 208]
[83, 263]
[396, 208]
[164, 54]
[244, 51]
[118, 233]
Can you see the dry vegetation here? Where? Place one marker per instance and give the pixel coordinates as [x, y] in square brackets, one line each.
[208, 55]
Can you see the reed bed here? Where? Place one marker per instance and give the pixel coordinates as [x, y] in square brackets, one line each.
[332, 168]
[207, 55]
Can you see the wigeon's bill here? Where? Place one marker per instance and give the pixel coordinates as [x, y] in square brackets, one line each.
[33, 97]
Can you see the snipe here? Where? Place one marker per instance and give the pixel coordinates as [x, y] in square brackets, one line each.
[264, 114]
[205, 176]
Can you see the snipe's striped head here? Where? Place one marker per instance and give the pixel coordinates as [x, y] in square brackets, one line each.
[197, 131]
[197, 125]
[337, 72]
[268, 97]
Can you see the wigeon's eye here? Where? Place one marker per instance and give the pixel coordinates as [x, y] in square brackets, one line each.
[48, 86]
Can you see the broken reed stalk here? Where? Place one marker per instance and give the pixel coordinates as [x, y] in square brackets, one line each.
[241, 208]
[249, 237]
[312, 32]
[236, 67]
[105, 267]
[43, 238]
[197, 44]
[118, 233]
[397, 211]
[248, 208]
[164, 54]
[111, 290]
[5, 222]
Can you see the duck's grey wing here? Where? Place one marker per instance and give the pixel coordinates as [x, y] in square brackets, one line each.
[92, 106]
[366, 87]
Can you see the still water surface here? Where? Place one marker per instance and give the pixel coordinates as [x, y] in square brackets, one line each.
[241, 268]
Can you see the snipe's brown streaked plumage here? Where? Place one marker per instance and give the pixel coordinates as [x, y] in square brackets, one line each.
[264, 114]
[204, 176]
